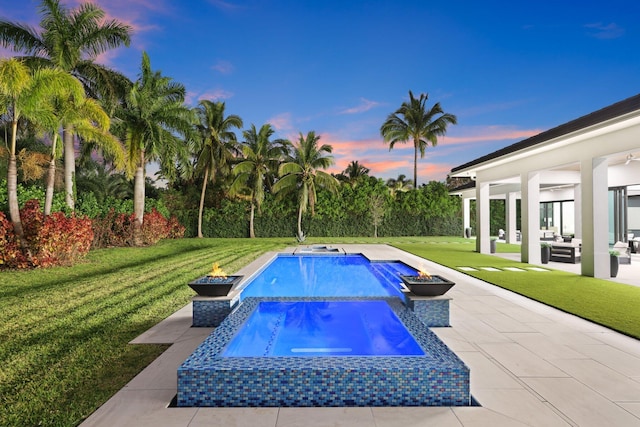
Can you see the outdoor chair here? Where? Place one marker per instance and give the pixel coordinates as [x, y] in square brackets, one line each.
[625, 252]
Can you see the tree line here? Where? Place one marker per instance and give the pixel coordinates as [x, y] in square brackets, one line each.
[55, 90]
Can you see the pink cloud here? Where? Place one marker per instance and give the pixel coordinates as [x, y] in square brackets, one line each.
[432, 172]
[106, 58]
[384, 167]
[281, 122]
[488, 134]
[130, 12]
[223, 67]
[217, 95]
[384, 163]
[365, 105]
[371, 153]
[191, 98]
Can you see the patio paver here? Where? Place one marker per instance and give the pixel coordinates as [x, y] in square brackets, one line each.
[531, 365]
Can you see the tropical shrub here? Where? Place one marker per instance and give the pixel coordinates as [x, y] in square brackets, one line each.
[427, 211]
[113, 229]
[10, 254]
[51, 240]
[156, 227]
[118, 229]
[26, 193]
[89, 205]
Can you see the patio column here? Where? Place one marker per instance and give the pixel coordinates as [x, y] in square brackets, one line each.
[466, 214]
[595, 218]
[530, 249]
[510, 215]
[577, 210]
[483, 218]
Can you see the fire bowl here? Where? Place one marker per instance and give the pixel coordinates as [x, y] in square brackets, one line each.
[427, 287]
[214, 286]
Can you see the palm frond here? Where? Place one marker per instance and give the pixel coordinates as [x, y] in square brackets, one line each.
[289, 168]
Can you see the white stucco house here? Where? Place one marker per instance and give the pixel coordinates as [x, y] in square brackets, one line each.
[579, 179]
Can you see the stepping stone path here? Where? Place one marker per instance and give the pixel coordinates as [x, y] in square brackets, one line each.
[517, 269]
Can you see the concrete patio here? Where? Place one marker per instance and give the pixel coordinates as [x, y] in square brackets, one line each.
[629, 274]
[531, 365]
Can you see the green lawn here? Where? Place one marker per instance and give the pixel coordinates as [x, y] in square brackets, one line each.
[64, 332]
[608, 303]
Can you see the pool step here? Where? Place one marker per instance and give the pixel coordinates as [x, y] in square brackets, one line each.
[387, 274]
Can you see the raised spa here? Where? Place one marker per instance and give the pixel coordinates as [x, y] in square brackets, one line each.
[322, 328]
[259, 356]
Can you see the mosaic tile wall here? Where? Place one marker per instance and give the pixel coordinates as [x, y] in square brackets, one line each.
[432, 312]
[439, 378]
[210, 312]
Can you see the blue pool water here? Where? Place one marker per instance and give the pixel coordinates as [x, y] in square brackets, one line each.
[323, 328]
[327, 276]
[320, 330]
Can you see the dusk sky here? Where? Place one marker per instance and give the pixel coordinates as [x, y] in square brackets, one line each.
[507, 69]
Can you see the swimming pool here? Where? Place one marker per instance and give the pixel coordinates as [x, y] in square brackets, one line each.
[349, 275]
[435, 378]
[322, 328]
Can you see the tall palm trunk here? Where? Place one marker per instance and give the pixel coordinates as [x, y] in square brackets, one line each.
[51, 177]
[69, 167]
[12, 188]
[201, 208]
[252, 233]
[138, 200]
[415, 164]
[300, 235]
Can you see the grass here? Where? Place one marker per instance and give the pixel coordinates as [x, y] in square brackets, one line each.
[64, 332]
[610, 304]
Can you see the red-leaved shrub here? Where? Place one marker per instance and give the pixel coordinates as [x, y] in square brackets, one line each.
[60, 240]
[120, 229]
[10, 254]
[51, 240]
[113, 230]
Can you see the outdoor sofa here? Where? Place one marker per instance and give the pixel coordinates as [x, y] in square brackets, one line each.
[568, 252]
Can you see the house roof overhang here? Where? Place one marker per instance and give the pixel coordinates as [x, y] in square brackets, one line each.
[569, 133]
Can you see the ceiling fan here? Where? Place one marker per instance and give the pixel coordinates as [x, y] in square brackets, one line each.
[630, 158]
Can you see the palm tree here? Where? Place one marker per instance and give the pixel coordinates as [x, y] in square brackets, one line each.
[414, 122]
[89, 121]
[355, 172]
[217, 145]
[24, 94]
[103, 181]
[152, 113]
[71, 40]
[261, 158]
[301, 174]
[398, 185]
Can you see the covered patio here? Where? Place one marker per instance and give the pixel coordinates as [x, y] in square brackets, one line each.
[590, 164]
